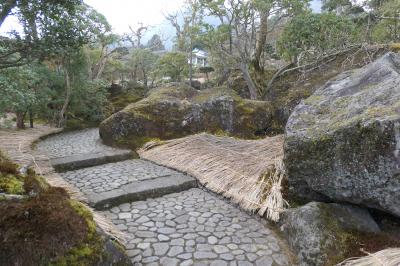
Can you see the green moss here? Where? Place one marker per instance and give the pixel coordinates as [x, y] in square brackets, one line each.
[395, 47]
[122, 100]
[11, 184]
[207, 94]
[313, 99]
[86, 214]
[91, 251]
[339, 240]
[78, 124]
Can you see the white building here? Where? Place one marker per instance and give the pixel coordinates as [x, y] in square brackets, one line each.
[199, 58]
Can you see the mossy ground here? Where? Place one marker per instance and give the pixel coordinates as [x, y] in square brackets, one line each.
[11, 182]
[46, 227]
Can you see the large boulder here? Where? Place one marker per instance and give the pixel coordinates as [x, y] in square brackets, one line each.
[322, 234]
[343, 143]
[177, 110]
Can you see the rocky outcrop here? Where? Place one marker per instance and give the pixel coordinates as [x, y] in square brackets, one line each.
[343, 142]
[320, 233]
[177, 110]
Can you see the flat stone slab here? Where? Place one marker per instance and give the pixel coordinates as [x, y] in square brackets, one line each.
[195, 227]
[79, 161]
[114, 183]
[141, 190]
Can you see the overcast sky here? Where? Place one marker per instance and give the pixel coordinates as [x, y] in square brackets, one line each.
[124, 13]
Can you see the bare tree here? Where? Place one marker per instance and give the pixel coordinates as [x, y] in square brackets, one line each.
[136, 34]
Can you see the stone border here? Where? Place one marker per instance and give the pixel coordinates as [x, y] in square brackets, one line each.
[78, 161]
[141, 190]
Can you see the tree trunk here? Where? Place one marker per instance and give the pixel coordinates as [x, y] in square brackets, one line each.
[101, 64]
[20, 120]
[135, 74]
[261, 40]
[191, 63]
[7, 6]
[249, 81]
[61, 117]
[145, 79]
[30, 118]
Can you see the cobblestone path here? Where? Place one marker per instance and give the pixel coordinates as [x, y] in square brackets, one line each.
[190, 227]
[111, 176]
[74, 143]
[195, 227]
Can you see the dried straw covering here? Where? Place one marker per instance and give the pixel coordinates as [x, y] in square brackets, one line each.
[249, 172]
[386, 257]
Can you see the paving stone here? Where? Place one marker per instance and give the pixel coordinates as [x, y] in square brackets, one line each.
[143, 245]
[204, 255]
[185, 256]
[142, 220]
[232, 246]
[133, 252]
[165, 261]
[145, 234]
[244, 263]
[150, 259]
[163, 238]
[160, 249]
[251, 257]
[218, 263]
[187, 263]
[166, 230]
[219, 249]
[124, 215]
[177, 242]
[264, 261]
[175, 250]
[227, 256]
[212, 240]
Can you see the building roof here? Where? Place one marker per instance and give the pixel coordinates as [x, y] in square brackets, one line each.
[200, 53]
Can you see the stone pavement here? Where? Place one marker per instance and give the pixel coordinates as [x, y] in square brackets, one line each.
[195, 227]
[168, 221]
[79, 149]
[85, 141]
[111, 176]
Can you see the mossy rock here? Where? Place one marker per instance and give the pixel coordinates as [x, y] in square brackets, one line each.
[177, 110]
[323, 234]
[123, 99]
[343, 143]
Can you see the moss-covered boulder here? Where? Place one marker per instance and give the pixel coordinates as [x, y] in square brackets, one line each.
[176, 110]
[325, 234]
[343, 143]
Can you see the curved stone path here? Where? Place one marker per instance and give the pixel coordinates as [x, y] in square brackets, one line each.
[85, 141]
[170, 221]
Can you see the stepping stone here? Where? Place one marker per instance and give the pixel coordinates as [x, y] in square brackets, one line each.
[79, 161]
[141, 190]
